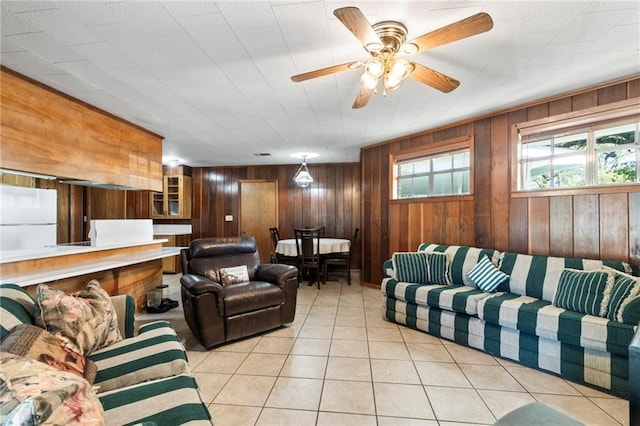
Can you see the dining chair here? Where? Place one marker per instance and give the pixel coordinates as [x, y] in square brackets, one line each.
[340, 260]
[280, 258]
[307, 247]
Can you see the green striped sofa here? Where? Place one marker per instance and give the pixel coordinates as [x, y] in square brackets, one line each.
[144, 378]
[519, 320]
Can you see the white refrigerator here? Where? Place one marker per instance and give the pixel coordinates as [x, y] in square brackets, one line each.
[28, 217]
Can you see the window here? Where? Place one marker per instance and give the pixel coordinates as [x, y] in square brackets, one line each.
[578, 153]
[444, 169]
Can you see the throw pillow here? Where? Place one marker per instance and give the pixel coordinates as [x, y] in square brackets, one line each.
[36, 393]
[486, 276]
[625, 289]
[438, 267]
[410, 267]
[37, 343]
[84, 322]
[586, 292]
[234, 275]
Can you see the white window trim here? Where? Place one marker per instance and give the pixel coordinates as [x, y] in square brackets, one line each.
[433, 149]
[592, 116]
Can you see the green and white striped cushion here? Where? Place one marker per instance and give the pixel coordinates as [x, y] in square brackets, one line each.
[457, 298]
[156, 352]
[461, 328]
[541, 318]
[538, 276]
[625, 289]
[438, 268]
[16, 307]
[584, 291]
[461, 259]
[171, 401]
[410, 267]
[486, 276]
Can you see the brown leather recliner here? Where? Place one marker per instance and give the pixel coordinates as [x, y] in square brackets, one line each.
[218, 313]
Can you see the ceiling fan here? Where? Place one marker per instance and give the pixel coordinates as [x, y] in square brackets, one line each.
[385, 40]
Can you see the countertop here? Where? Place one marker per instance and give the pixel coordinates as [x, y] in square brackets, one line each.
[63, 250]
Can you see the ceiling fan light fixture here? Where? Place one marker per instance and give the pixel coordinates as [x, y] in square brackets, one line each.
[369, 81]
[375, 67]
[391, 82]
[401, 69]
[409, 48]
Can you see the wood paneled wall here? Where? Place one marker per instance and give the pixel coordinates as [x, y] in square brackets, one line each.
[44, 131]
[332, 200]
[599, 224]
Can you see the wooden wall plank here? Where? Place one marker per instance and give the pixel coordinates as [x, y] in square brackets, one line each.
[536, 112]
[538, 219]
[586, 221]
[415, 237]
[518, 225]
[613, 93]
[633, 88]
[500, 181]
[585, 100]
[561, 226]
[634, 228]
[560, 106]
[614, 233]
[481, 218]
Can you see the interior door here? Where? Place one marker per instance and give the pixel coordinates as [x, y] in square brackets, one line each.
[259, 212]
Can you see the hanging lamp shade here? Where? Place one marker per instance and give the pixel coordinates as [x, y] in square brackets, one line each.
[302, 177]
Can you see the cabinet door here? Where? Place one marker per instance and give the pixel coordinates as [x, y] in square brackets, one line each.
[172, 188]
[157, 204]
[175, 199]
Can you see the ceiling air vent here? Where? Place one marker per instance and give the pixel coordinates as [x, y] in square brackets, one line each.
[262, 154]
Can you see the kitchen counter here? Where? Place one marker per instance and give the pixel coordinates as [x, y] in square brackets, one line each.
[134, 268]
[20, 255]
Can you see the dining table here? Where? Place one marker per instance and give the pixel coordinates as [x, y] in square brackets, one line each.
[287, 247]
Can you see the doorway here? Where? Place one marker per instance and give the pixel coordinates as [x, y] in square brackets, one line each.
[259, 212]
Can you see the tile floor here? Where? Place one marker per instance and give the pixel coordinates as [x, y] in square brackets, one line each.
[340, 363]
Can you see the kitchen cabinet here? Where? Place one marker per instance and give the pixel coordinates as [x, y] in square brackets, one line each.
[174, 201]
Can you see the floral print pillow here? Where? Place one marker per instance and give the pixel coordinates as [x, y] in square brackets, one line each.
[37, 343]
[32, 392]
[85, 322]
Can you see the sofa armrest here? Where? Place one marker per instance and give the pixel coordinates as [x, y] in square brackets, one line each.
[634, 384]
[276, 273]
[387, 267]
[124, 307]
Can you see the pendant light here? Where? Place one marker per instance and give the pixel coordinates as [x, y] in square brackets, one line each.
[302, 177]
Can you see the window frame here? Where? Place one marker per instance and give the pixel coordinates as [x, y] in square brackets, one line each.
[433, 149]
[590, 119]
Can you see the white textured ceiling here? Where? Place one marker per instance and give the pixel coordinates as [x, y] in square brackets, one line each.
[213, 77]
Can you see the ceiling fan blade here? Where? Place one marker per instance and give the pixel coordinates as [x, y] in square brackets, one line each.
[357, 23]
[363, 98]
[325, 71]
[433, 78]
[475, 24]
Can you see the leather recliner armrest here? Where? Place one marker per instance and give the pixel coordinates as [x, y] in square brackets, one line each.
[197, 285]
[276, 273]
